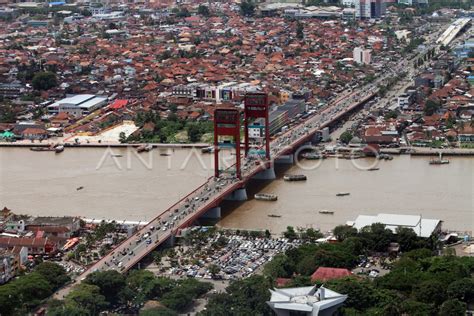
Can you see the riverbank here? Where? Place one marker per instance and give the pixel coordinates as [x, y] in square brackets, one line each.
[420, 151]
[104, 145]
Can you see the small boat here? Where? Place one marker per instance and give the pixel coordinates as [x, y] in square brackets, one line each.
[79, 188]
[294, 177]
[273, 215]
[41, 149]
[373, 169]
[207, 150]
[143, 148]
[439, 161]
[59, 149]
[326, 212]
[49, 148]
[342, 194]
[313, 156]
[266, 197]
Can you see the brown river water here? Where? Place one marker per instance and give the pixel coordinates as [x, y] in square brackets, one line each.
[126, 188]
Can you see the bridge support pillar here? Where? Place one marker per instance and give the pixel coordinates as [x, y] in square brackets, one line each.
[237, 195]
[267, 174]
[213, 213]
[286, 159]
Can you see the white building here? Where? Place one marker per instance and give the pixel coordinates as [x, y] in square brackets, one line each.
[348, 3]
[308, 300]
[78, 105]
[423, 227]
[362, 8]
[362, 56]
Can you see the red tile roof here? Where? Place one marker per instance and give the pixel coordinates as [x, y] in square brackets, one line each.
[325, 274]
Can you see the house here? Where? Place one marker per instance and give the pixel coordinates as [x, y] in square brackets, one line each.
[325, 274]
[34, 245]
[49, 231]
[6, 271]
[72, 224]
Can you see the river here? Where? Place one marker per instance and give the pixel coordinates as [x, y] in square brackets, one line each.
[126, 188]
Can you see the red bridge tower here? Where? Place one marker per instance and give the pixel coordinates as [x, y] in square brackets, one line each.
[227, 123]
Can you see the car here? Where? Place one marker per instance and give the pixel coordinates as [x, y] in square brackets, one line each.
[130, 253]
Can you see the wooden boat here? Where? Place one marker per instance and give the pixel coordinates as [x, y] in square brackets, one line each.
[326, 212]
[266, 197]
[273, 215]
[313, 156]
[42, 149]
[342, 194]
[294, 177]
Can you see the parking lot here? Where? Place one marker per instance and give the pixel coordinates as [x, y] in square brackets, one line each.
[239, 257]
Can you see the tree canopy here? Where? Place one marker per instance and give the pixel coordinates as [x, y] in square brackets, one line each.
[44, 80]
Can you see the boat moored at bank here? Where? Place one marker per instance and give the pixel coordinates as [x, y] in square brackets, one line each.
[294, 177]
[266, 197]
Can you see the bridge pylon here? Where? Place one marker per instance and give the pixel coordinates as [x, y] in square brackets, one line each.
[227, 123]
[256, 118]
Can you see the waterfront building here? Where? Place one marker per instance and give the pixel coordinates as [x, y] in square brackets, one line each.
[308, 300]
[423, 227]
[78, 105]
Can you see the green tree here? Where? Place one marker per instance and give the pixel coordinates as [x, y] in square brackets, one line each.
[360, 293]
[214, 269]
[279, 266]
[194, 133]
[122, 138]
[430, 291]
[88, 297]
[243, 297]
[158, 311]
[346, 137]
[59, 308]
[299, 30]
[453, 307]
[53, 273]
[203, 10]
[290, 233]
[431, 107]
[110, 283]
[342, 232]
[32, 288]
[247, 8]
[9, 298]
[412, 307]
[44, 80]
[462, 289]
[407, 238]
